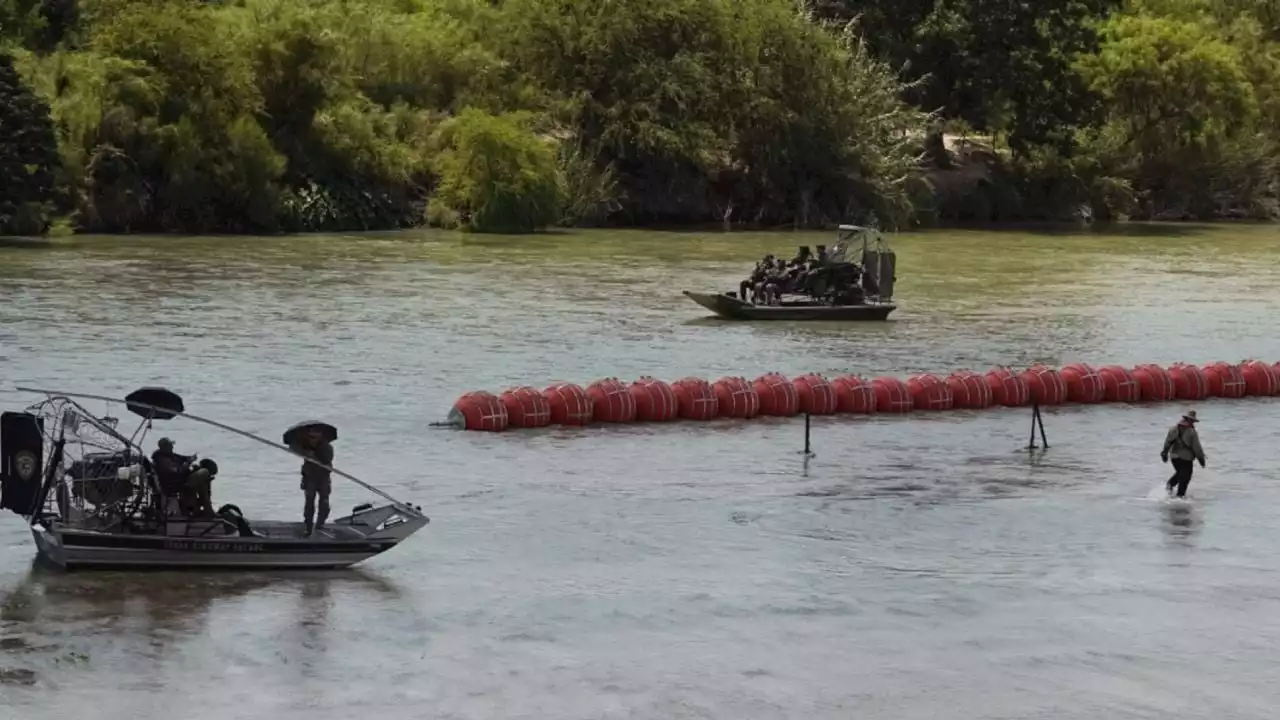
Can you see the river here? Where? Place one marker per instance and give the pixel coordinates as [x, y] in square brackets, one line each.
[917, 567]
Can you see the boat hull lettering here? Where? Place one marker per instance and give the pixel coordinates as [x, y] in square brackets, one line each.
[214, 546]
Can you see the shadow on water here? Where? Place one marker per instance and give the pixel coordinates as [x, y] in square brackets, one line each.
[24, 243]
[1126, 230]
[51, 618]
[1181, 522]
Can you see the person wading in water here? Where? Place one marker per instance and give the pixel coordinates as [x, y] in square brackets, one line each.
[1183, 445]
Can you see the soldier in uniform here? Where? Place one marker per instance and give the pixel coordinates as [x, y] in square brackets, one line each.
[316, 480]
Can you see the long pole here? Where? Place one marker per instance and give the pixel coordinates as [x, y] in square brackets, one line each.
[228, 428]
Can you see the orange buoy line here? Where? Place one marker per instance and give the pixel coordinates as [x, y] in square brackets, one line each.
[649, 399]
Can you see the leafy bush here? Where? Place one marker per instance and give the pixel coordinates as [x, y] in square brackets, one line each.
[496, 174]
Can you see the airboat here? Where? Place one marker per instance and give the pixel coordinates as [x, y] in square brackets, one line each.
[94, 499]
[865, 298]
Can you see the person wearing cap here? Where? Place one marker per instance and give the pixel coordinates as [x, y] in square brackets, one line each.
[193, 485]
[1182, 445]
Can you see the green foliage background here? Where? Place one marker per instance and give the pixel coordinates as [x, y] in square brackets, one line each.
[514, 115]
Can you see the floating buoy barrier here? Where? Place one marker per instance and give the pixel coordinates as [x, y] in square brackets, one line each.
[611, 401]
[1259, 378]
[1007, 388]
[655, 400]
[1084, 384]
[479, 410]
[854, 395]
[736, 398]
[649, 399]
[969, 391]
[928, 392]
[817, 397]
[1118, 384]
[570, 404]
[892, 395]
[1225, 380]
[526, 408]
[777, 395]
[1189, 382]
[1046, 385]
[1154, 383]
[695, 400]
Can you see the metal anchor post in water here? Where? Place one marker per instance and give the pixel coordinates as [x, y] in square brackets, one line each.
[1037, 421]
[807, 452]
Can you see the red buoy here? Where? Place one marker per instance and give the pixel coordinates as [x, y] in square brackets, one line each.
[969, 390]
[1084, 384]
[854, 395]
[479, 410]
[1259, 379]
[1154, 383]
[817, 397]
[1007, 388]
[1189, 382]
[611, 401]
[695, 399]
[928, 392]
[1046, 385]
[777, 395]
[1118, 384]
[1225, 380]
[526, 408]
[655, 400]
[570, 404]
[892, 395]
[736, 398]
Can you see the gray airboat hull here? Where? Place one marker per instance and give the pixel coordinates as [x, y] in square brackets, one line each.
[734, 308]
[200, 544]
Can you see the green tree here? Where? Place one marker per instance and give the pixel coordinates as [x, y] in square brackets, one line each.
[1171, 83]
[496, 174]
[28, 156]
[1182, 105]
[999, 65]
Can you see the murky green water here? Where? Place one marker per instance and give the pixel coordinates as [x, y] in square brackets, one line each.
[917, 567]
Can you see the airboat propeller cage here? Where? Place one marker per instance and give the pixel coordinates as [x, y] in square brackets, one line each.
[154, 403]
[879, 263]
[294, 435]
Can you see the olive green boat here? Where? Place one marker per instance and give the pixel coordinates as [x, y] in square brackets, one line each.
[867, 299]
[728, 305]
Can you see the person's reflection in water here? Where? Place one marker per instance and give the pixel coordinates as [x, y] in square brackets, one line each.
[1182, 523]
[147, 617]
[313, 624]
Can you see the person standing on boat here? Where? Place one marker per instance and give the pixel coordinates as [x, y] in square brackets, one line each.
[316, 480]
[1182, 444]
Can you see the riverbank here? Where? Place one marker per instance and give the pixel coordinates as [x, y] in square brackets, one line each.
[260, 116]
